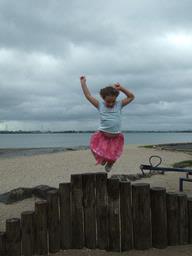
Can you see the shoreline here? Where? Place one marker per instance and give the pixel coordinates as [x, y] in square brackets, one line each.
[185, 147]
[18, 152]
[180, 147]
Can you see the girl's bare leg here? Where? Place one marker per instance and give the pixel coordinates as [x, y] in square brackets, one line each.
[108, 166]
[103, 162]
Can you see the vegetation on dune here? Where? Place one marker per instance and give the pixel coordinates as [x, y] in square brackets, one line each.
[183, 164]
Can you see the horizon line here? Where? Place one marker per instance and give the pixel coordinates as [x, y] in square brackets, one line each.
[84, 131]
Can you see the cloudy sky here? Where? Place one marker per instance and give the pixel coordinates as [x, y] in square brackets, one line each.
[45, 45]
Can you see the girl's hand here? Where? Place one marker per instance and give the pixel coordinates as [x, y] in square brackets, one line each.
[118, 86]
[82, 79]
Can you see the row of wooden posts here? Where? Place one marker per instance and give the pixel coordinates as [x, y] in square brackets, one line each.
[93, 211]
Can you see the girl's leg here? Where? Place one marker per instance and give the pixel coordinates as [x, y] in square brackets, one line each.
[103, 162]
[108, 166]
[99, 159]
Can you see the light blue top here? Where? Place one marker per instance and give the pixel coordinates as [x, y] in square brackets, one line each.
[110, 118]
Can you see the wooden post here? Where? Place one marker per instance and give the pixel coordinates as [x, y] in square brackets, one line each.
[172, 219]
[53, 221]
[41, 243]
[159, 217]
[3, 244]
[65, 215]
[101, 210]
[77, 212]
[114, 215]
[141, 216]
[27, 228]
[13, 235]
[126, 216]
[190, 218]
[183, 218]
[89, 201]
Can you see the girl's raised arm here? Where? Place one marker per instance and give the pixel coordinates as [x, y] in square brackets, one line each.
[87, 92]
[130, 95]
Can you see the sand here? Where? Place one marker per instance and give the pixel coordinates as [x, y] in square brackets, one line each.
[54, 168]
[169, 251]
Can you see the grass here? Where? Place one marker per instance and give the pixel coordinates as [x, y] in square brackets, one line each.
[147, 146]
[183, 164]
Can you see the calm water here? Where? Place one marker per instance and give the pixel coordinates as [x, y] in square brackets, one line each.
[82, 139]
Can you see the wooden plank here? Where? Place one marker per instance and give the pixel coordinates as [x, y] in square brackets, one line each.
[190, 219]
[172, 218]
[77, 211]
[114, 215]
[3, 244]
[101, 210]
[40, 218]
[13, 237]
[126, 216]
[159, 217]
[89, 202]
[28, 233]
[141, 216]
[53, 221]
[65, 215]
[183, 218]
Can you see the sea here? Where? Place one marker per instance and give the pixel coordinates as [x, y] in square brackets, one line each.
[75, 140]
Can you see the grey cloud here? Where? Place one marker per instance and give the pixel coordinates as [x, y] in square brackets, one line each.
[45, 47]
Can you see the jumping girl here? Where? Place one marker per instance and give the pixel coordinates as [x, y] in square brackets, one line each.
[107, 142]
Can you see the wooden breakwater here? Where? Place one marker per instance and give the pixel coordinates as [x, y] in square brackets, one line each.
[93, 211]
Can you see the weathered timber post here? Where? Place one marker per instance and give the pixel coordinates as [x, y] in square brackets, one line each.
[190, 219]
[77, 211]
[13, 237]
[65, 215]
[53, 221]
[101, 210]
[126, 216]
[141, 216]
[27, 229]
[89, 203]
[183, 218]
[172, 218]
[3, 244]
[158, 217]
[41, 234]
[114, 215]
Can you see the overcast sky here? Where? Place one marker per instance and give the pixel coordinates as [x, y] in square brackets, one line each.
[146, 45]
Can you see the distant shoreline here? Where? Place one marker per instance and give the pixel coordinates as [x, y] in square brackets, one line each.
[16, 152]
[55, 132]
[182, 147]
[185, 147]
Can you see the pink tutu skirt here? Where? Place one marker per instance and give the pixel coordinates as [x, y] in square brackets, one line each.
[105, 147]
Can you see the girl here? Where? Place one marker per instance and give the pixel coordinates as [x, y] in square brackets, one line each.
[107, 143]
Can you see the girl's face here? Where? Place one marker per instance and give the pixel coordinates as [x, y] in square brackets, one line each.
[110, 101]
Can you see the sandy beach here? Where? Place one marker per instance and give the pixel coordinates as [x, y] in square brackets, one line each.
[52, 169]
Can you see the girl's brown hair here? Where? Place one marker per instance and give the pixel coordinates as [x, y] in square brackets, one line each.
[109, 91]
